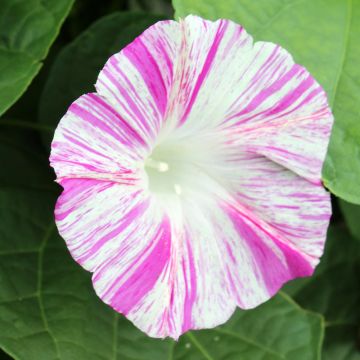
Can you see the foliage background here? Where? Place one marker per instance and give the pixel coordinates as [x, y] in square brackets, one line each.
[50, 53]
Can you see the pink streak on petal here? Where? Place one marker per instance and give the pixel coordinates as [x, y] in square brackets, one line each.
[190, 288]
[206, 67]
[115, 115]
[87, 116]
[71, 189]
[125, 221]
[146, 274]
[140, 118]
[274, 272]
[284, 103]
[146, 65]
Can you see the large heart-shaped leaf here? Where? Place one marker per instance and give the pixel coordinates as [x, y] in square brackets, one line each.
[27, 29]
[78, 65]
[322, 35]
[48, 309]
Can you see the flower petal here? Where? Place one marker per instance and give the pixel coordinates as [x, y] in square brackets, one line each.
[282, 113]
[94, 141]
[98, 218]
[212, 58]
[295, 208]
[138, 80]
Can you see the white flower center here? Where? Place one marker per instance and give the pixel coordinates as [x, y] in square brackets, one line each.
[157, 165]
[182, 167]
[163, 175]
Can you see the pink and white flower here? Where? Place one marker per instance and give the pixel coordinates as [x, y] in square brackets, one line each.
[192, 177]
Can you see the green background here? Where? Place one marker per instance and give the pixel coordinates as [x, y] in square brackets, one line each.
[50, 53]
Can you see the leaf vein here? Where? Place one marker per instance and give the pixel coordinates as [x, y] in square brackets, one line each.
[39, 287]
[249, 341]
[115, 328]
[278, 14]
[343, 57]
[199, 346]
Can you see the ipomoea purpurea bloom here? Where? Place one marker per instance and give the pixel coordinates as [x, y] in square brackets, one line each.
[192, 176]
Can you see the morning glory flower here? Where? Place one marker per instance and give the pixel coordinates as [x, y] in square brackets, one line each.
[192, 176]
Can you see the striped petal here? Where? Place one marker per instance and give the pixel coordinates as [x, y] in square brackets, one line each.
[212, 59]
[138, 80]
[91, 215]
[282, 113]
[93, 141]
[296, 209]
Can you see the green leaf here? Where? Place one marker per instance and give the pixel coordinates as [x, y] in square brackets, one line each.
[48, 309]
[27, 29]
[342, 342]
[23, 162]
[337, 275]
[334, 290]
[351, 214]
[154, 6]
[322, 35]
[278, 329]
[76, 69]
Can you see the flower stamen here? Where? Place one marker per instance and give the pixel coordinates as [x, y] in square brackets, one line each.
[160, 166]
[178, 189]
